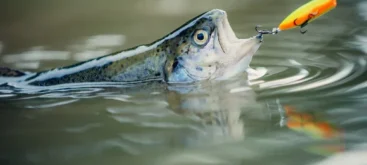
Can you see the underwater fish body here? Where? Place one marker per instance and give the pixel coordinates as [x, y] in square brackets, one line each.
[205, 48]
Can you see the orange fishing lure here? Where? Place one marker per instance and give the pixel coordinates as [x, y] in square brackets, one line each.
[303, 15]
[307, 13]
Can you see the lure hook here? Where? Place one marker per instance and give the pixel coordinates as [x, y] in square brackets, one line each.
[302, 32]
[304, 24]
[261, 32]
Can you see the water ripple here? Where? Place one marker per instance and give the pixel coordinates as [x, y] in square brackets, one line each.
[84, 128]
[295, 75]
[57, 103]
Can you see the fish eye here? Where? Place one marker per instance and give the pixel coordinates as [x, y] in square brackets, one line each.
[201, 37]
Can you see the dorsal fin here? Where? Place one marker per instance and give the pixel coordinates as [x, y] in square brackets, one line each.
[7, 72]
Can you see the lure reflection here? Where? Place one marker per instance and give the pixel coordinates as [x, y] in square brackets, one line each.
[232, 116]
[318, 130]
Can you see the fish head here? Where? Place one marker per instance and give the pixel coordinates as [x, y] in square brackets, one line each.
[206, 48]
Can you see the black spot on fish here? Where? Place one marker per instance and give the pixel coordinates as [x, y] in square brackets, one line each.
[98, 78]
[198, 68]
[66, 79]
[104, 66]
[157, 74]
[175, 63]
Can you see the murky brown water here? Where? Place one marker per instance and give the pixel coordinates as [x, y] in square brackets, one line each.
[309, 107]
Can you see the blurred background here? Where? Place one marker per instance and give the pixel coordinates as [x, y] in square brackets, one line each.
[62, 32]
[316, 81]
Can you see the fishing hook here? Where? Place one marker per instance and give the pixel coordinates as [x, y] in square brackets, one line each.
[304, 24]
[302, 32]
[261, 32]
[301, 25]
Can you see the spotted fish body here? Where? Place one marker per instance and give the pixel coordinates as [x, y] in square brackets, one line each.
[202, 49]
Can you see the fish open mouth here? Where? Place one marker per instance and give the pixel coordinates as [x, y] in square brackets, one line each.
[227, 37]
[238, 52]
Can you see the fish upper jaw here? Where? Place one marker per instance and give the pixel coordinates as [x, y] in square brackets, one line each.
[238, 52]
[228, 39]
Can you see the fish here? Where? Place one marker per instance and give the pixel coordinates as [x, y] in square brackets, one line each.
[306, 14]
[204, 48]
